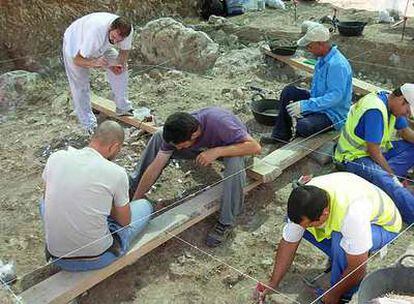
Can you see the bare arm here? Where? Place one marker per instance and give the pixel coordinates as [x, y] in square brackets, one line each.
[355, 278]
[121, 214]
[123, 57]
[248, 146]
[283, 260]
[407, 134]
[375, 152]
[151, 174]
[83, 62]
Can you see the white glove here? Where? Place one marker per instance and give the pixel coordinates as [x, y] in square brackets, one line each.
[293, 108]
[397, 181]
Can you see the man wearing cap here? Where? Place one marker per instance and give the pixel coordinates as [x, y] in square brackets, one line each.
[327, 104]
[367, 144]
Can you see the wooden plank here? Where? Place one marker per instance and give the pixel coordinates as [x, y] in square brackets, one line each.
[65, 286]
[272, 165]
[108, 108]
[360, 87]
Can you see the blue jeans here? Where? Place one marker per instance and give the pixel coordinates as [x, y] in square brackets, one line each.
[308, 125]
[141, 211]
[337, 255]
[400, 159]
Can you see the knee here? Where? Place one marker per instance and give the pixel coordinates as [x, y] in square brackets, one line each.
[287, 94]
[234, 164]
[141, 209]
[304, 128]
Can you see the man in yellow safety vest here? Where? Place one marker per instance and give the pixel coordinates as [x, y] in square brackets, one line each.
[367, 148]
[346, 217]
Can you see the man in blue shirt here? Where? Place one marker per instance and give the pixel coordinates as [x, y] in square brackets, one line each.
[377, 144]
[327, 104]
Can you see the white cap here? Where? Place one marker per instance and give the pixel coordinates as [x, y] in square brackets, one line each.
[407, 89]
[314, 34]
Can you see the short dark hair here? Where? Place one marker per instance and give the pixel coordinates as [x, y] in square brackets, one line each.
[122, 25]
[397, 92]
[307, 201]
[179, 127]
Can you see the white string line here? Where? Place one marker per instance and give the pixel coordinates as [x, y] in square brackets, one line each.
[230, 266]
[191, 196]
[8, 289]
[139, 220]
[362, 264]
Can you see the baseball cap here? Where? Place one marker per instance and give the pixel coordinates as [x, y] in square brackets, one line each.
[407, 89]
[313, 34]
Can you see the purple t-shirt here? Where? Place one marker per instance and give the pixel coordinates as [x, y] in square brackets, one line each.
[219, 128]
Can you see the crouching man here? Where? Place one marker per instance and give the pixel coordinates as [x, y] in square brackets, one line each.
[205, 135]
[89, 222]
[347, 218]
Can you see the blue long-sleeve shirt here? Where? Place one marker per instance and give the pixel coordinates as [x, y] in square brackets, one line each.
[331, 90]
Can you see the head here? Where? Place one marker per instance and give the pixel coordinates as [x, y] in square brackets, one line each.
[119, 30]
[108, 139]
[181, 130]
[308, 206]
[401, 100]
[316, 40]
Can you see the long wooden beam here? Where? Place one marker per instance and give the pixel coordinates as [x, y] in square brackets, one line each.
[108, 108]
[360, 87]
[272, 165]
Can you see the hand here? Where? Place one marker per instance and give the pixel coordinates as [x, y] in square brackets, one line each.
[207, 157]
[293, 108]
[397, 181]
[117, 69]
[100, 62]
[260, 292]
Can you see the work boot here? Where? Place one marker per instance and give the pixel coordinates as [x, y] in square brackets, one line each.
[120, 113]
[218, 234]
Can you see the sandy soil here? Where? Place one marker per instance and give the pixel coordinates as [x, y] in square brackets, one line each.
[175, 272]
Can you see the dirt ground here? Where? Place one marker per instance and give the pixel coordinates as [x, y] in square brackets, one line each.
[176, 272]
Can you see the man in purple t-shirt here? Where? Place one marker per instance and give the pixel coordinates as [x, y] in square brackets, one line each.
[204, 135]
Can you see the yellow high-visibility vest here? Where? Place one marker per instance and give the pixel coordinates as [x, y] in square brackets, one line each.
[345, 188]
[350, 146]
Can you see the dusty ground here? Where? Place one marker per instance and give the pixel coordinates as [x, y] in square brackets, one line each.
[176, 272]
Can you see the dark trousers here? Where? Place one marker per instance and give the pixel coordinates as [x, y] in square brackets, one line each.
[306, 126]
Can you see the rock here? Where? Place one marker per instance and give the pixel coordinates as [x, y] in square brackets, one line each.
[238, 61]
[237, 93]
[14, 87]
[168, 42]
[217, 20]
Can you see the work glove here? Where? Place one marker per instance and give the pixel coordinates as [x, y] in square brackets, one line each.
[293, 108]
[397, 181]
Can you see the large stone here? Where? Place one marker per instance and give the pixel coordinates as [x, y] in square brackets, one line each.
[14, 87]
[239, 62]
[168, 42]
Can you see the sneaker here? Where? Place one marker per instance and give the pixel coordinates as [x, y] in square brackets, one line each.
[129, 112]
[218, 234]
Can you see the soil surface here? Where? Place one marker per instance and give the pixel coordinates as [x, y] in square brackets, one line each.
[177, 272]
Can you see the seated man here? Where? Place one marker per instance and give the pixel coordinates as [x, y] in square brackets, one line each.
[88, 219]
[204, 135]
[327, 104]
[365, 146]
[344, 216]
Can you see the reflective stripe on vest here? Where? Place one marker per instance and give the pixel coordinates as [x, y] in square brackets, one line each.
[346, 188]
[350, 146]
